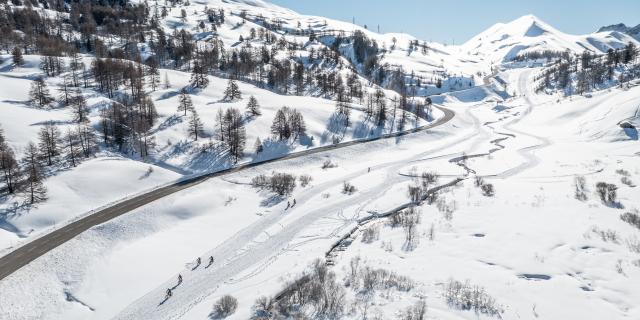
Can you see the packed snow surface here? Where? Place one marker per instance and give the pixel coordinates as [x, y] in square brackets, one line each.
[539, 251]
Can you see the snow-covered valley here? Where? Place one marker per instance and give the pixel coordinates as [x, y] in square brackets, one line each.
[525, 198]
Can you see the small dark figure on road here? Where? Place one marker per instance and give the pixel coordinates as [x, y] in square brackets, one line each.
[169, 294]
[294, 202]
[179, 279]
[288, 205]
[369, 170]
[198, 260]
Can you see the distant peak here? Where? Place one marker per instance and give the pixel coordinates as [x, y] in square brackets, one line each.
[529, 18]
[620, 27]
[529, 26]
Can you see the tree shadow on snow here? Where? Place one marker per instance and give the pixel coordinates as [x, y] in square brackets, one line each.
[271, 201]
[168, 95]
[172, 120]
[366, 129]
[272, 148]
[632, 133]
[213, 158]
[335, 130]
[54, 122]
[306, 141]
[13, 210]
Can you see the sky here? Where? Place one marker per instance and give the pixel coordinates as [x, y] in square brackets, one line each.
[458, 20]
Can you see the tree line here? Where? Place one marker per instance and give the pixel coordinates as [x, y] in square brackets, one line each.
[54, 149]
[588, 71]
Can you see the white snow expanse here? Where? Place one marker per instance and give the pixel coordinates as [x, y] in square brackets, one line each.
[541, 253]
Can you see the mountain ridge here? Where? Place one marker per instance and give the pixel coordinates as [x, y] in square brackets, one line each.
[503, 42]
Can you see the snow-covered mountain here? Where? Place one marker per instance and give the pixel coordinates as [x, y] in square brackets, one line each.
[502, 194]
[623, 28]
[504, 41]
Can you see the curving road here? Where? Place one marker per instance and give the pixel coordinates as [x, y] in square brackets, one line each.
[30, 251]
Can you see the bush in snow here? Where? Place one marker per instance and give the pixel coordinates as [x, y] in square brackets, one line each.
[447, 208]
[606, 235]
[623, 172]
[607, 192]
[627, 181]
[283, 183]
[415, 194]
[632, 218]
[487, 190]
[315, 294]
[370, 234]
[634, 245]
[419, 191]
[478, 182]
[580, 184]
[348, 188]
[410, 221]
[417, 311]
[354, 272]
[263, 308]
[464, 296]
[279, 183]
[374, 279]
[224, 307]
[305, 180]
[327, 164]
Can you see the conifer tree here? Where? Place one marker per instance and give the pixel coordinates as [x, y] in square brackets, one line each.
[167, 84]
[280, 126]
[49, 136]
[237, 136]
[34, 187]
[87, 139]
[185, 103]
[154, 74]
[79, 107]
[8, 165]
[16, 54]
[196, 127]
[257, 146]
[73, 148]
[39, 93]
[232, 92]
[199, 77]
[342, 106]
[253, 108]
[65, 90]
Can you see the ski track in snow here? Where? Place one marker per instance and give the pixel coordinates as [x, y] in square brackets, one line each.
[243, 252]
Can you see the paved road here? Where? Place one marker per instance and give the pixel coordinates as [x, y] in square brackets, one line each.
[38, 247]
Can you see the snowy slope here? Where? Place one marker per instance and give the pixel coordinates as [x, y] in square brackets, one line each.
[533, 246]
[504, 41]
[438, 60]
[621, 27]
[175, 154]
[539, 251]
